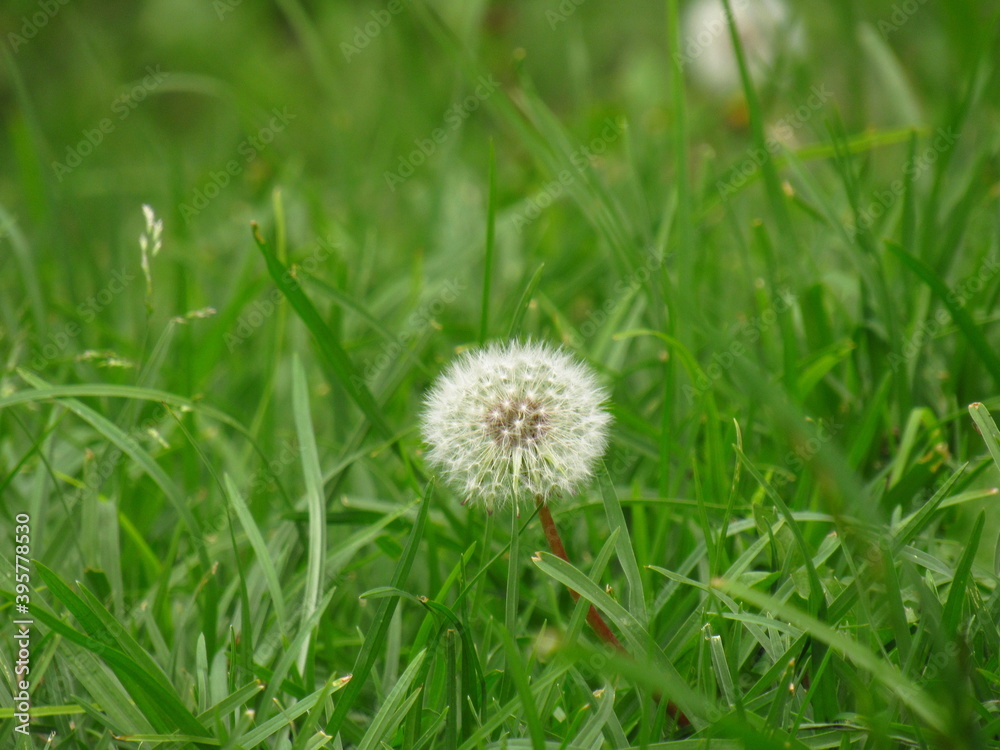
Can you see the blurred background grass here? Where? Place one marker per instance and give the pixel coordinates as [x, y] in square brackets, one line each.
[298, 112]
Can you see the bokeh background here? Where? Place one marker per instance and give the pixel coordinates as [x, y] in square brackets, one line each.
[725, 294]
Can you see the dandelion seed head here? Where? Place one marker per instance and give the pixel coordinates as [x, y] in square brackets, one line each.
[515, 421]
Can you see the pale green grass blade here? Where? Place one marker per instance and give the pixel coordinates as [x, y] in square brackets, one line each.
[394, 708]
[231, 702]
[275, 679]
[285, 717]
[103, 686]
[315, 501]
[624, 549]
[635, 634]
[988, 429]
[159, 704]
[137, 453]
[513, 575]
[884, 64]
[256, 539]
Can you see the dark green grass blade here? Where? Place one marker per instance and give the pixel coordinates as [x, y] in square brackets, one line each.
[919, 520]
[377, 632]
[519, 676]
[816, 595]
[332, 353]
[472, 672]
[522, 304]
[982, 348]
[962, 580]
[160, 705]
[886, 673]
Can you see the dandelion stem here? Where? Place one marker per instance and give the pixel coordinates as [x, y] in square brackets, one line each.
[594, 618]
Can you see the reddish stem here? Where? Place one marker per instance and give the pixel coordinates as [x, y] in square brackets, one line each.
[594, 618]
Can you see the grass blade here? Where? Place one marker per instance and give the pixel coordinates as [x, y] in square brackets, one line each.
[885, 672]
[519, 677]
[982, 348]
[638, 638]
[394, 707]
[961, 581]
[376, 633]
[330, 350]
[260, 549]
[522, 304]
[314, 495]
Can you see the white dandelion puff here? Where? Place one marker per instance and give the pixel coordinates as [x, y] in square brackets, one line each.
[515, 421]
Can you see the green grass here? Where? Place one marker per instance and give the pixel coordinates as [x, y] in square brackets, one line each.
[236, 541]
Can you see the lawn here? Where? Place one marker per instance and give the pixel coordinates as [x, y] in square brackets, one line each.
[244, 246]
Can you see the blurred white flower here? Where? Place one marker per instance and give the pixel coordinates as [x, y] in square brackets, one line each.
[766, 29]
[515, 421]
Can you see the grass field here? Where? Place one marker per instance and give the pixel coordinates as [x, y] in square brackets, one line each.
[220, 525]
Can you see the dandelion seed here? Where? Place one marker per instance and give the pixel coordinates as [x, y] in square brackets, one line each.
[534, 432]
